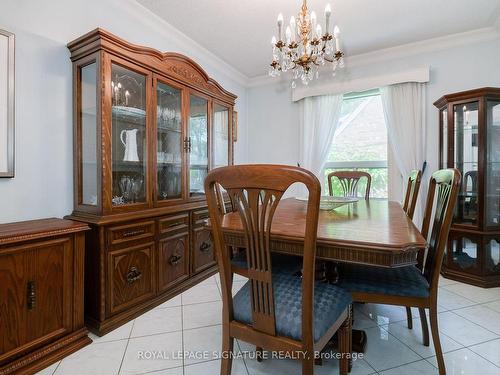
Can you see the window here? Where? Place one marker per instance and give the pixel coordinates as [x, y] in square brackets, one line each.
[360, 142]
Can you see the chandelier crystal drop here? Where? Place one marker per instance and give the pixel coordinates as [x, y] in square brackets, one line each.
[304, 47]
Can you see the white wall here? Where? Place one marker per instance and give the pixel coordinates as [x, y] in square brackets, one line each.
[43, 186]
[273, 118]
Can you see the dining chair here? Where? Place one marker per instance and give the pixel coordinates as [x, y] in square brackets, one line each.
[349, 182]
[409, 204]
[414, 286]
[412, 190]
[275, 310]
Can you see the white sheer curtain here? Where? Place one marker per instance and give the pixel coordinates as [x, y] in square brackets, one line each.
[319, 120]
[404, 111]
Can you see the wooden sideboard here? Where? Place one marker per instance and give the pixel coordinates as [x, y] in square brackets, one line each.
[148, 127]
[41, 293]
[133, 265]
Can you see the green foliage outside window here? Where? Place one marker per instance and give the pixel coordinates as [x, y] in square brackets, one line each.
[360, 142]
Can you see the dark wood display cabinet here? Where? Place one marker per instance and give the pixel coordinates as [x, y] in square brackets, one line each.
[470, 141]
[41, 293]
[148, 126]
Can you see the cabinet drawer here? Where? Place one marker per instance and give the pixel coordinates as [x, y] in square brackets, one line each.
[203, 250]
[173, 260]
[130, 232]
[199, 217]
[172, 224]
[130, 276]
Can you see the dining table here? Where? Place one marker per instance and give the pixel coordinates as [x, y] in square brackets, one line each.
[371, 232]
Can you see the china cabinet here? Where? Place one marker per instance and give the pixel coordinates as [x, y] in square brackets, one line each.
[470, 141]
[41, 293]
[148, 126]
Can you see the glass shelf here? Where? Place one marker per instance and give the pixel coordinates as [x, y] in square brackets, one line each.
[162, 129]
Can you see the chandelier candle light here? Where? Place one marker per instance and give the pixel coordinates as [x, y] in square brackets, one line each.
[313, 49]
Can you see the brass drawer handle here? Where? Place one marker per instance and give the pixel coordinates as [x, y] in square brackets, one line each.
[31, 295]
[133, 275]
[134, 233]
[205, 246]
[175, 259]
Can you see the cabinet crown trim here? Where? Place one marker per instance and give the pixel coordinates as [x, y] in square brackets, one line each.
[174, 64]
[465, 95]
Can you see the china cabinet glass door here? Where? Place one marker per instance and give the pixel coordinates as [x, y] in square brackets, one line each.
[197, 144]
[492, 182]
[466, 143]
[444, 139]
[169, 142]
[88, 133]
[129, 150]
[220, 136]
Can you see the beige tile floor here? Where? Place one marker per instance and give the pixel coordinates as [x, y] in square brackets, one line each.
[469, 319]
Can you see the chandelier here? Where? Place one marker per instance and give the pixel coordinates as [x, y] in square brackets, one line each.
[305, 47]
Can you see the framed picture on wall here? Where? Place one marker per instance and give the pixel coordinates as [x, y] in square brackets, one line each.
[6, 104]
[235, 126]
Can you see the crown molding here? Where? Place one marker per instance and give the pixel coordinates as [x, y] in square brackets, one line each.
[168, 31]
[405, 50]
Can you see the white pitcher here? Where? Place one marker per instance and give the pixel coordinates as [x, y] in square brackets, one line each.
[130, 144]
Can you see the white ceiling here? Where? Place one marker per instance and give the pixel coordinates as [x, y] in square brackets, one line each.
[239, 32]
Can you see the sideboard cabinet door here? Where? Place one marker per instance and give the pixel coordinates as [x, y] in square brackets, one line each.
[13, 276]
[35, 295]
[203, 251]
[131, 276]
[173, 260]
[50, 285]
[202, 247]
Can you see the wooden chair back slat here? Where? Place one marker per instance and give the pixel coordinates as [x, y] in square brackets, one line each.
[412, 190]
[349, 181]
[220, 200]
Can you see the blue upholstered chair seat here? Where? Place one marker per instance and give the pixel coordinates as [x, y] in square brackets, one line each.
[329, 303]
[280, 262]
[403, 282]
